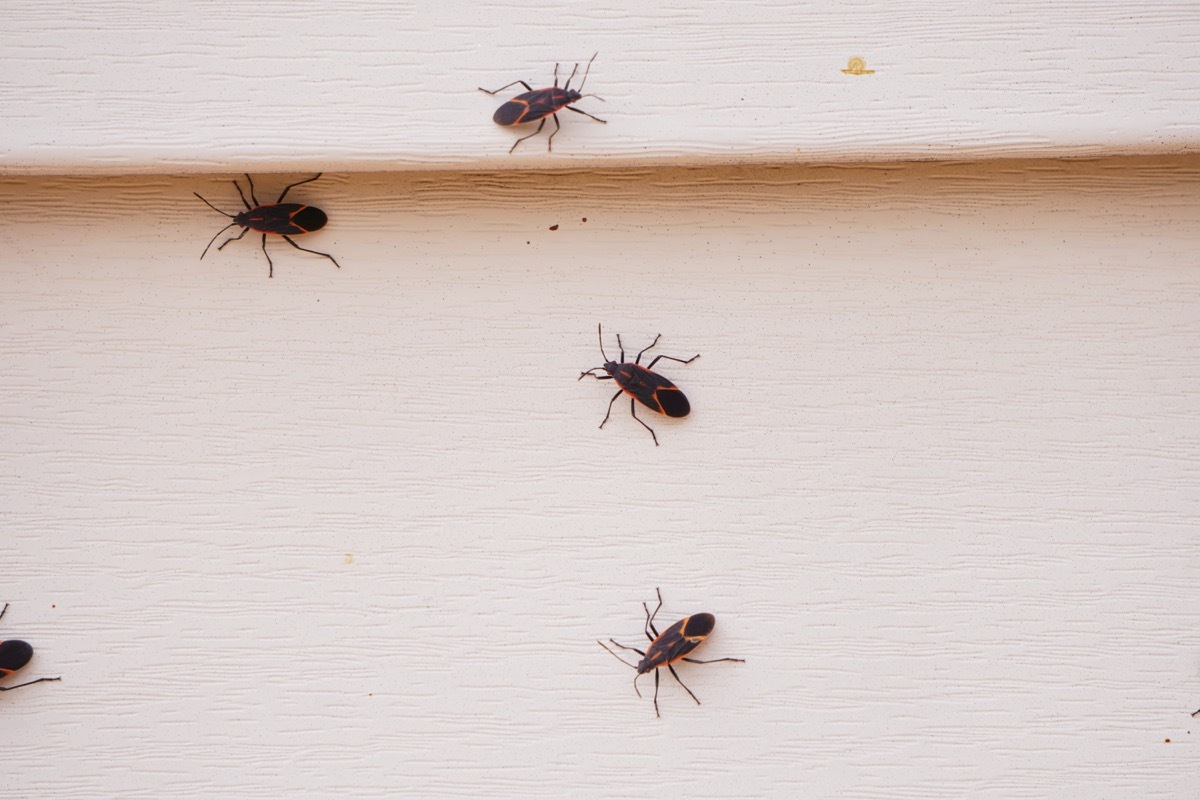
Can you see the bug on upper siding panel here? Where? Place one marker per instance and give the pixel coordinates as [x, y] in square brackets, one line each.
[15, 654]
[278, 218]
[535, 104]
[670, 646]
[643, 386]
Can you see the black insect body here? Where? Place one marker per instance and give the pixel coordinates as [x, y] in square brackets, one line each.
[537, 104]
[279, 218]
[641, 384]
[670, 646]
[15, 654]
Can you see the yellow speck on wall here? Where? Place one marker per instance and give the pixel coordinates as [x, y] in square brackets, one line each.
[857, 66]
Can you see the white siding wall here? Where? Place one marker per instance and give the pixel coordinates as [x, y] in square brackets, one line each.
[353, 532]
[121, 86]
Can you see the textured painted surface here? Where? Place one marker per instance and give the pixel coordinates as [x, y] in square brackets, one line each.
[117, 86]
[353, 532]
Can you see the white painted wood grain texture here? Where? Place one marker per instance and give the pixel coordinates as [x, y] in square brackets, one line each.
[124, 86]
[354, 532]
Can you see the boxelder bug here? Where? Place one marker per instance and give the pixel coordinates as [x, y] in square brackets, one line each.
[648, 388]
[670, 646]
[538, 104]
[15, 654]
[279, 218]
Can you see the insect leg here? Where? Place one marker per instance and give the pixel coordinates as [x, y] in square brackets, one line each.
[270, 263]
[29, 683]
[288, 239]
[210, 241]
[672, 358]
[251, 183]
[638, 360]
[530, 136]
[286, 189]
[656, 693]
[625, 647]
[610, 402]
[650, 617]
[566, 85]
[232, 238]
[528, 88]
[2, 610]
[244, 200]
[681, 683]
[594, 375]
[557, 128]
[714, 660]
[633, 411]
[586, 114]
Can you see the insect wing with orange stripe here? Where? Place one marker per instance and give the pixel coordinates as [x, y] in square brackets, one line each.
[677, 641]
[284, 218]
[652, 390]
[531, 106]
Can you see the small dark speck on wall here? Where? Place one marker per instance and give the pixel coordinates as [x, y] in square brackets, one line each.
[553, 227]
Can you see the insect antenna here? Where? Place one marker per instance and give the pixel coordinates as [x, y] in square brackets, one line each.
[614, 655]
[214, 208]
[585, 73]
[210, 241]
[600, 333]
[626, 663]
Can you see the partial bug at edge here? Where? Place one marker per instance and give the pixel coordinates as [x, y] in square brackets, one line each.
[15, 654]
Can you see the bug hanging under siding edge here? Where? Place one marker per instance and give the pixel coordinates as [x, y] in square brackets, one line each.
[278, 218]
